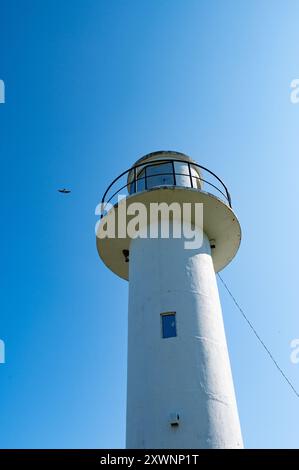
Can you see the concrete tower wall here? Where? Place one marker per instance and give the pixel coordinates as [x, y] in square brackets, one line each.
[188, 375]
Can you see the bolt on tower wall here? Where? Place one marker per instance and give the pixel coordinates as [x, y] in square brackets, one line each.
[180, 391]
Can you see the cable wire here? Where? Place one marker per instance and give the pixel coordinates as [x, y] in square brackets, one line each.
[259, 338]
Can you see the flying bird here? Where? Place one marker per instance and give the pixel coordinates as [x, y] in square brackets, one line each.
[64, 191]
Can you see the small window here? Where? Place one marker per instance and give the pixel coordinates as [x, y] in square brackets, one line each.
[168, 322]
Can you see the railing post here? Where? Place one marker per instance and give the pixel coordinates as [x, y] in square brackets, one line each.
[135, 180]
[145, 178]
[173, 170]
[190, 174]
[102, 208]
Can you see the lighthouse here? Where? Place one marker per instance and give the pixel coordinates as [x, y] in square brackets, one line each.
[180, 392]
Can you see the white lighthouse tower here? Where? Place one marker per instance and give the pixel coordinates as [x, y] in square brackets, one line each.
[180, 391]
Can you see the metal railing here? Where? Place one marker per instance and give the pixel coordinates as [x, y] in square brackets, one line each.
[216, 186]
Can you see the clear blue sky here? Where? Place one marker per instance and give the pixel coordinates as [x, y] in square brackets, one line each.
[90, 87]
